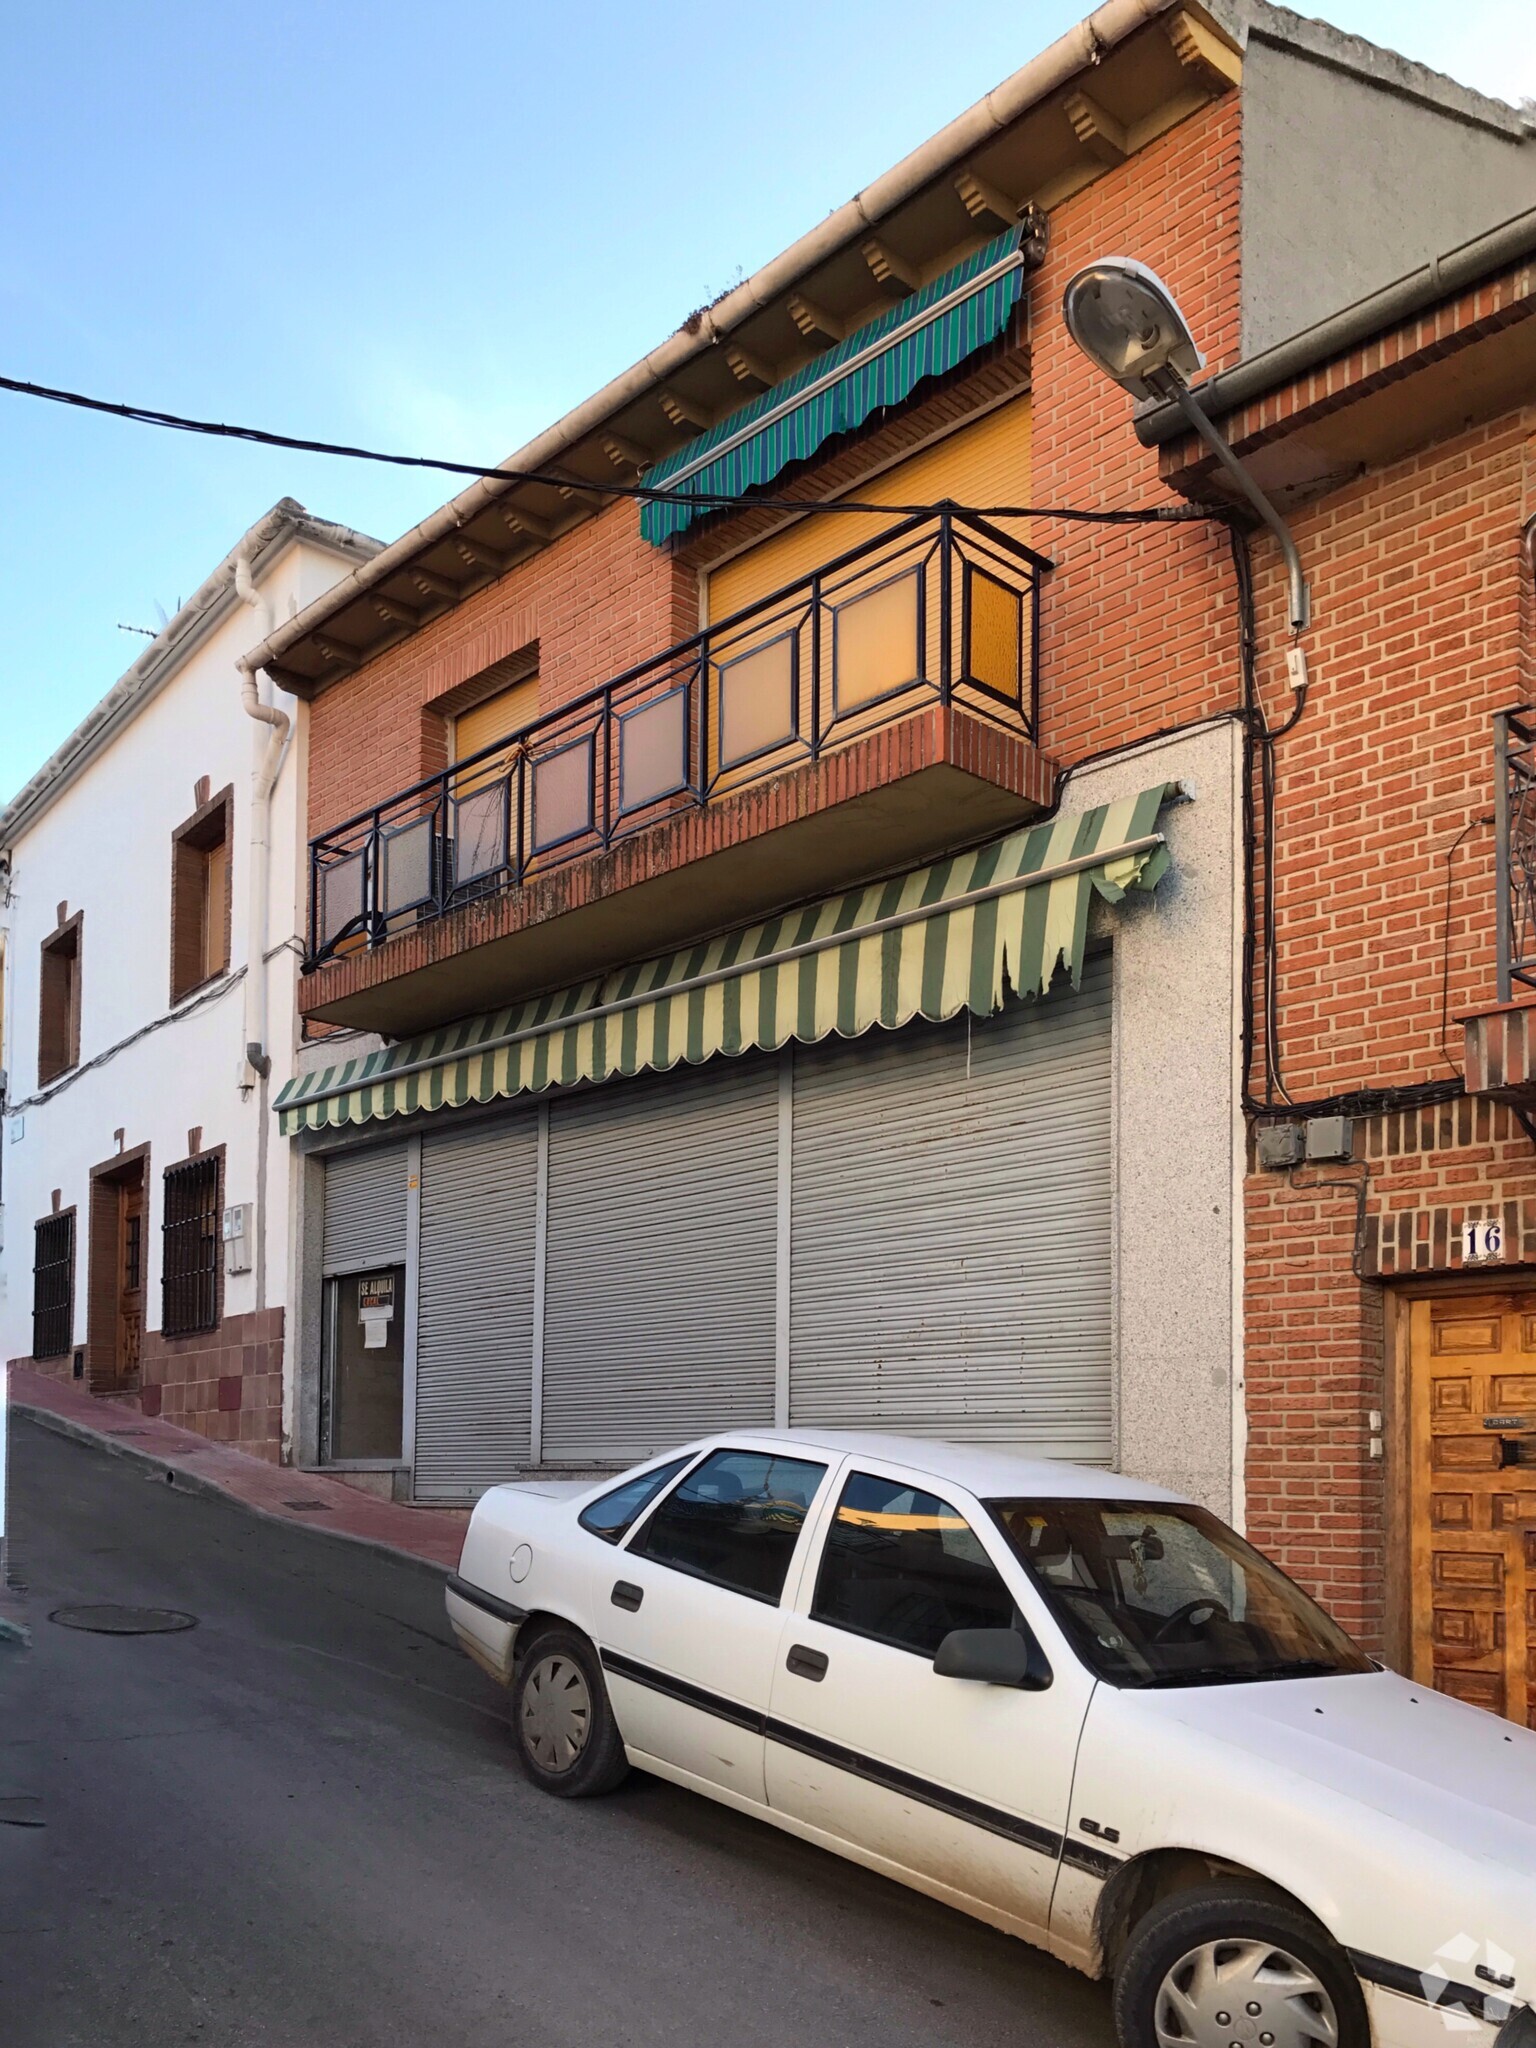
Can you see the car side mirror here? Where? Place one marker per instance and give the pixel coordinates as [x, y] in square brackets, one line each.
[994, 1656]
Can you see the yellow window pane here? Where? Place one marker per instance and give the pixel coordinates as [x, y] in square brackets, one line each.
[996, 624]
[562, 795]
[875, 643]
[215, 935]
[757, 701]
[653, 751]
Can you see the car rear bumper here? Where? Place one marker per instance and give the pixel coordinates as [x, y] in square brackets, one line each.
[485, 1625]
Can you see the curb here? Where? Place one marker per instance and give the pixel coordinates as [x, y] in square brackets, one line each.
[194, 1482]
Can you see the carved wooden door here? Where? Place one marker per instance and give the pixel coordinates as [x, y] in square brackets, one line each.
[1473, 1499]
[130, 1280]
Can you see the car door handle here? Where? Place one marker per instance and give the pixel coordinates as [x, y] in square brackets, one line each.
[804, 1663]
[626, 1595]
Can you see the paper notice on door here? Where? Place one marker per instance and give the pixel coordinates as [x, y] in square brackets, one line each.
[376, 1309]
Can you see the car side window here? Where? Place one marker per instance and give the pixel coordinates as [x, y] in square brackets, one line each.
[735, 1520]
[615, 1514]
[905, 1567]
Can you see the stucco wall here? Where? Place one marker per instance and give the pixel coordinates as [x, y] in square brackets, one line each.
[1178, 1136]
[104, 847]
[1350, 181]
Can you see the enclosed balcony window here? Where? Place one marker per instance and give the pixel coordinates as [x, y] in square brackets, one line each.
[938, 609]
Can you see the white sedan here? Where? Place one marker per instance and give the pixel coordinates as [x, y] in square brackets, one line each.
[1073, 1705]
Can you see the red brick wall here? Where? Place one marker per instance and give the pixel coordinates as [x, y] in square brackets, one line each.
[1316, 1358]
[597, 602]
[1422, 630]
[1138, 622]
[1418, 591]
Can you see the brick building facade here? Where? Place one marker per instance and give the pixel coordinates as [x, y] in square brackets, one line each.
[1408, 513]
[1408, 444]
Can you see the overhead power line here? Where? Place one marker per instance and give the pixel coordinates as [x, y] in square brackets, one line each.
[143, 415]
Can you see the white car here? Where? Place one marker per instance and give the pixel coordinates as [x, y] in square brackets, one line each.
[1073, 1705]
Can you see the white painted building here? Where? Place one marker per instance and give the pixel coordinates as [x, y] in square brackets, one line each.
[150, 902]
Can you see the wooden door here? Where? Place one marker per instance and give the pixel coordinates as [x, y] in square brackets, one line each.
[1473, 1501]
[130, 1279]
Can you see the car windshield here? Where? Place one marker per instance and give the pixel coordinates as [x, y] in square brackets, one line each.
[1158, 1595]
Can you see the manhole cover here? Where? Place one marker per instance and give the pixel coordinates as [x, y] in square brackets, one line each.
[127, 1432]
[309, 1507]
[124, 1621]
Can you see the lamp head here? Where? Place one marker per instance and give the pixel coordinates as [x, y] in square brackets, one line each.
[1124, 318]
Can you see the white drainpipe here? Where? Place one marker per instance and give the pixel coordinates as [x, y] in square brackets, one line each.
[258, 1062]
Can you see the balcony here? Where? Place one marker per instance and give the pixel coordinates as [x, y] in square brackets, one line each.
[1501, 1038]
[874, 713]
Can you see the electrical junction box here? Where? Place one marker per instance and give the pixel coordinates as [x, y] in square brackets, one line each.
[1280, 1146]
[1330, 1137]
[237, 1238]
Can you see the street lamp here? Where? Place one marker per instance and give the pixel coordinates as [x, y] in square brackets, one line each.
[1124, 318]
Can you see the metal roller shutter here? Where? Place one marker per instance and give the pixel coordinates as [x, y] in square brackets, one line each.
[474, 1315]
[951, 1229]
[659, 1303]
[365, 1209]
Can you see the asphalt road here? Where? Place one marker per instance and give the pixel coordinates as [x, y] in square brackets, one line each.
[301, 1825]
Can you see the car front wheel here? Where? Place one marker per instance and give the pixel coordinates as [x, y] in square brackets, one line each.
[561, 1720]
[1218, 1967]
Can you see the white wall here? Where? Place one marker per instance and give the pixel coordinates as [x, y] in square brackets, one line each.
[104, 847]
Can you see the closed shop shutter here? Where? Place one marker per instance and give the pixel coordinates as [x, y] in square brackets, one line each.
[986, 463]
[365, 1209]
[474, 1316]
[659, 1303]
[951, 1229]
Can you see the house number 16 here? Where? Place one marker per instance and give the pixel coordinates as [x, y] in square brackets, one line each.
[1480, 1242]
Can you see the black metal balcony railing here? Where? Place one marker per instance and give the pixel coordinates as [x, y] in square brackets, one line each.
[941, 608]
[1514, 810]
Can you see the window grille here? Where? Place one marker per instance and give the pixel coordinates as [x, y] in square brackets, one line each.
[53, 1287]
[189, 1266]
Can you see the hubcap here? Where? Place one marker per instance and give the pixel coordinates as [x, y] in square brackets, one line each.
[1243, 1994]
[557, 1713]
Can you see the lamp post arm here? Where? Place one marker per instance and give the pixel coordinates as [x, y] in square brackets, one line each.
[1169, 385]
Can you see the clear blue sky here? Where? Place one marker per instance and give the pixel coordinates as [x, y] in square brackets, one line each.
[432, 229]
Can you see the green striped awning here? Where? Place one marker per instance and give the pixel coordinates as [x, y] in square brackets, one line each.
[955, 936]
[927, 333]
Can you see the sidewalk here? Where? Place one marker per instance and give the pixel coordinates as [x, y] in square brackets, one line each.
[429, 1537]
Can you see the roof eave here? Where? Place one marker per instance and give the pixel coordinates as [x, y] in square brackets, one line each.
[1083, 49]
[176, 642]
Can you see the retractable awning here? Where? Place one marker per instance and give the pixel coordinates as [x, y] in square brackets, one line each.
[957, 935]
[930, 332]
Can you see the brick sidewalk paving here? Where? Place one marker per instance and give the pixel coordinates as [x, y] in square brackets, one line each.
[426, 1536]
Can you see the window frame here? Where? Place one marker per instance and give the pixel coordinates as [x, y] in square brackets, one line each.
[212, 1158]
[66, 941]
[193, 844]
[969, 1509]
[67, 1306]
[674, 1470]
[831, 1464]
